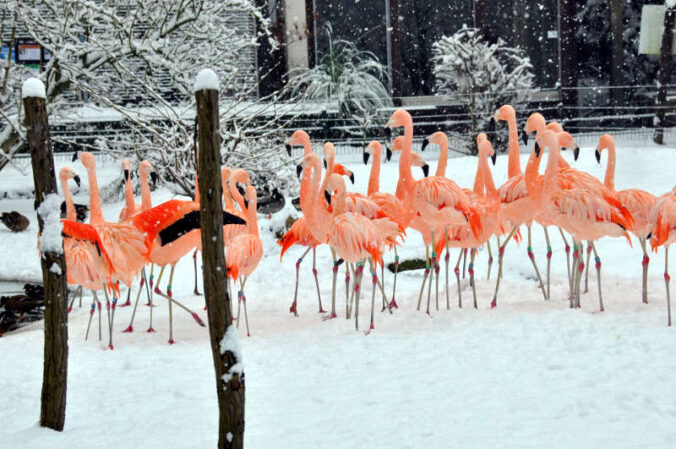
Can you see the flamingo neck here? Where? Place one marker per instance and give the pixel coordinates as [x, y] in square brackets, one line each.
[610, 168]
[314, 209]
[253, 217]
[339, 200]
[330, 162]
[227, 197]
[146, 201]
[478, 179]
[239, 199]
[513, 162]
[443, 159]
[487, 177]
[197, 189]
[374, 178]
[551, 174]
[406, 181]
[96, 214]
[129, 195]
[70, 206]
[530, 177]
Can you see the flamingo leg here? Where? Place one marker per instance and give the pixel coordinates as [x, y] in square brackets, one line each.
[294, 305]
[374, 281]
[586, 274]
[336, 264]
[81, 293]
[597, 259]
[471, 275]
[531, 256]
[549, 261]
[78, 291]
[171, 309]
[667, 279]
[91, 313]
[427, 272]
[393, 303]
[112, 316]
[457, 278]
[314, 272]
[490, 259]
[127, 303]
[152, 291]
[130, 328]
[447, 258]
[110, 328]
[357, 291]
[194, 315]
[347, 291]
[497, 237]
[580, 270]
[567, 246]
[464, 262]
[433, 263]
[246, 315]
[98, 304]
[194, 263]
[644, 264]
[501, 255]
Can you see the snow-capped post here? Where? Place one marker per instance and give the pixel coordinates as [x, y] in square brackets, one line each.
[664, 74]
[223, 334]
[47, 203]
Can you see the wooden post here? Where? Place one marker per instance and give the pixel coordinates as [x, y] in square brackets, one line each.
[568, 55]
[617, 65]
[479, 15]
[665, 73]
[223, 335]
[394, 50]
[55, 369]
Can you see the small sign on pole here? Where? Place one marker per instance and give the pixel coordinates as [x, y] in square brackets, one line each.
[652, 24]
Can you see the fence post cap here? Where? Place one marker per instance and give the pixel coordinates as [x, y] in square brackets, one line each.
[33, 87]
[206, 79]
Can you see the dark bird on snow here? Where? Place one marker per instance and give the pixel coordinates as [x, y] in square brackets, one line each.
[14, 221]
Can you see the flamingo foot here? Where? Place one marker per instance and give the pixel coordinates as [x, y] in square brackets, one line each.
[158, 291]
[294, 308]
[321, 310]
[494, 303]
[171, 341]
[393, 304]
[150, 330]
[150, 304]
[370, 329]
[70, 309]
[111, 347]
[125, 304]
[329, 317]
[198, 319]
[129, 330]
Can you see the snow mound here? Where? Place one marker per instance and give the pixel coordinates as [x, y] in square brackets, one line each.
[33, 87]
[206, 79]
[50, 212]
[230, 342]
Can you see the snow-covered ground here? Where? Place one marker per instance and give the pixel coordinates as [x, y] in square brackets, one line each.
[527, 374]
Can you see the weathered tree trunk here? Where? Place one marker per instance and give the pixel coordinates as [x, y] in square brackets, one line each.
[480, 15]
[55, 371]
[395, 50]
[617, 66]
[568, 55]
[229, 383]
[664, 74]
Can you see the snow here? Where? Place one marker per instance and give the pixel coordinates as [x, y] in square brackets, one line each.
[670, 3]
[206, 79]
[529, 373]
[55, 268]
[230, 342]
[33, 87]
[50, 212]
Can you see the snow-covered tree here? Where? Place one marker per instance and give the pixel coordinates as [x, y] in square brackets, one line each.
[348, 80]
[480, 75]
[138, 59]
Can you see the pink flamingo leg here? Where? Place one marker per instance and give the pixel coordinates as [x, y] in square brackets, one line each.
[336, 264]
[531, 256]
[447, 258]
[490, 259]
[501, 255]
[357, 291]
[644, 264]
[393, 303]
[464, 262]
[549, 262]
[586, 274]
[91, 313]
[294, 305]
[127, 303]
[667, 279]
[347, 291]
[427, 272]
[597, 259]
[567, 246]
[374, 282]
[196, 292]
[457, 278]
[471, 275]
[171, 311]
[314, 272]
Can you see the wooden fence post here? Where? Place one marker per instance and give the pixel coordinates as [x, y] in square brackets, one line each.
[55, 370]
[223, 335]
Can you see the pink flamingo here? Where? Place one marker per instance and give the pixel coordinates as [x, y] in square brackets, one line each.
[245, 252]
[130, 206]
[582, 212]
[637, 201]
[663, 223]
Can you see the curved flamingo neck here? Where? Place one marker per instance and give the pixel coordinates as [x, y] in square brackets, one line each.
[339, 199]
[487, 177]
[96, 214]
[513, 162]
[610, 168]
[443, 159]
[530, 177]
[70, 206]
[129, 195]
[374, 178]
[552, 171]
[330, 162]
[239, 199]
[253, 216]
[406, 181]
[478, 179]
[146, 201]
[227, 197]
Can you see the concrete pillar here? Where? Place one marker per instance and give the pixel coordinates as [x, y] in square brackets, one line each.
[296, 34]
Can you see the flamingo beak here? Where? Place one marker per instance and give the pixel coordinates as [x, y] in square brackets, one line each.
[154, 177]
[576, 152]
[74, 157]
[537, 149]
[325, 164]
[126, 175]
[232, 219]
[494, 158]
[299, 170]
[597, 153]
[351, 177]
[388, 154]
[366, 157]
[388, 133]
[426, 170]
[491, 123]
[425, 142]
[76, 178]
[288, 149]
[327, 196]
[524, 137]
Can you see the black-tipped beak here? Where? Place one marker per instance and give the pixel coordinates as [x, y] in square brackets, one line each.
[524, 137]
[246, 203]
[351, 178]
[126, 175]
[491, 124]
[325, 164]
[339, 261]
[537, 149]
[598, 156]
[388, 154]
[232, 219]
[576, 152]
[494, 158]
[327, 196]
[299, 170]
[366, 157]
[426, 170]
[288, 149]
[154, 178]
[388, 133]
[425, 142]
[76, 178]
[74, 157]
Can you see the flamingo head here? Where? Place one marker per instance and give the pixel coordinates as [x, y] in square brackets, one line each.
[438, 138]
[126, 168]
[568, 142]
[554, 126]
[146, 168]
[250, 197]
[605, 142]
[329, 153]
[297, 138]
[373, 147]
[239, 176]
[67, 173]
[308, 162]
[397, 145]
[480, 138]
[486, 150]
[535, 123]
[505, 112]
[87, 159]
[398, 119]
[418, 161]
[334, 186]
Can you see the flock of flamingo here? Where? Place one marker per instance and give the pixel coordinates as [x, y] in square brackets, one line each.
[359, 228]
